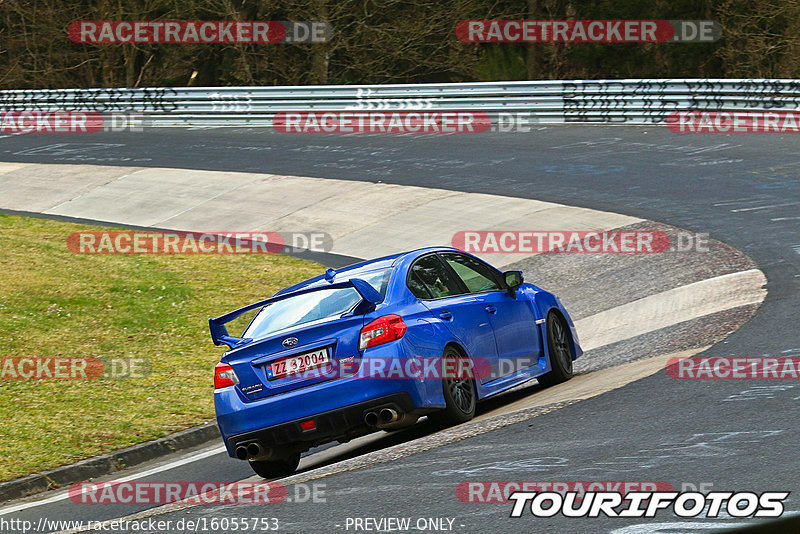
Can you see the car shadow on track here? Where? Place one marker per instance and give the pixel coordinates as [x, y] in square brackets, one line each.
[383, 439]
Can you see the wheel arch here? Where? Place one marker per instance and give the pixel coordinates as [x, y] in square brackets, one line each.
[456, 345]
[573, 347]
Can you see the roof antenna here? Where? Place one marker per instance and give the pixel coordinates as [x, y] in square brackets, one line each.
[329, 274]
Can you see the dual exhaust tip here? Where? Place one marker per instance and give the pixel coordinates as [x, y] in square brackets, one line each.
[252, 451]
[385, 416]
[255, 451]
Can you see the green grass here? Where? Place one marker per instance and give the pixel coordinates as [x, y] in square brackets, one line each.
[54, 303]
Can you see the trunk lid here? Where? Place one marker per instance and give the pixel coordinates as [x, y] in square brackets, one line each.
[337, 336]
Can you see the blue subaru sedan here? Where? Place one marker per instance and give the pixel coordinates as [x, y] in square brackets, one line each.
[377, 345]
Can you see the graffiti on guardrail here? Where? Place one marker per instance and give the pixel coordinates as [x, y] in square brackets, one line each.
[230, 103]
[158, 99]
[581, 115]
[768, 86]
[651, 101]
[365, 101]
[646, 101]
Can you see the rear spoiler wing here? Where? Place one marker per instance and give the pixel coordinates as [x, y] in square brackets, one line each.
[217, 324]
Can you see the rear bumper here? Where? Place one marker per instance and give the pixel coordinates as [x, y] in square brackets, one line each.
[342, 423]
[337, 406]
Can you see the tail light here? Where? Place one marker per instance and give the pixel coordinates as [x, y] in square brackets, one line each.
[381, 330]
[224, 376]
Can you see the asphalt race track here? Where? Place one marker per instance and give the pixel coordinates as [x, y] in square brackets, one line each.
[738, 435]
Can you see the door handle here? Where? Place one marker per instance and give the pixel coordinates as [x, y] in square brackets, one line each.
[446, 315]
[491, 309]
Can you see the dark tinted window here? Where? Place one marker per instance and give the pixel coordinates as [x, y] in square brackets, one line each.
[310, 307]
[476, 275]
[428, 279]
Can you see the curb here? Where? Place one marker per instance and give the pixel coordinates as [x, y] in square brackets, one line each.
[107, 463]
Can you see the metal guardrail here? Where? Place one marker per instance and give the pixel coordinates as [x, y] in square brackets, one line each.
[631, 101]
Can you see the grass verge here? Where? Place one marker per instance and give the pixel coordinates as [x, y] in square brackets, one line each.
[154, 308]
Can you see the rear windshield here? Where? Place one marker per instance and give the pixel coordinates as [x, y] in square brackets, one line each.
[310, 307]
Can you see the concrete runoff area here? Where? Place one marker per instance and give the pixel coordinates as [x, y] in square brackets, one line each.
[365, 220]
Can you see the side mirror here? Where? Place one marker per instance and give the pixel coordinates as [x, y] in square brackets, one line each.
[513, 279]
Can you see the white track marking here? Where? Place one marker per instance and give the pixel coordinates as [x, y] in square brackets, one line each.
[671, 307]
[764, 207]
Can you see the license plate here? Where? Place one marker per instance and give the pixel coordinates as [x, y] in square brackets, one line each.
[293, 365]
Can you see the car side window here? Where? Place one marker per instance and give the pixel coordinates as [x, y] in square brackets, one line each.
[476, 275]
[429, 279]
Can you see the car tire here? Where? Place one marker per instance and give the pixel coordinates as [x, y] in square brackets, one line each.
[558, 348]
[276, 468]
[460, 396]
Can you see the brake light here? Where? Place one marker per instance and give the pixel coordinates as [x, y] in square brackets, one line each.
[224, 376]
[308, 425]
[381, 330]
